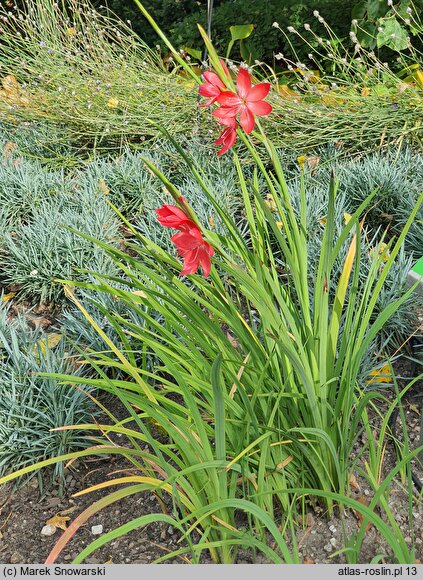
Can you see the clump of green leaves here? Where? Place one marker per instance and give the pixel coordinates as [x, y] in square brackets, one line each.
[31, 405]
[373, 239]
[43, 250]
[397, 178]
[25, 186]
[378, 24]
[256, 392]
[35, 139]
[77, 330]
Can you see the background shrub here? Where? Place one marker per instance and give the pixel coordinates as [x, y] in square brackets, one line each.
[179, 19]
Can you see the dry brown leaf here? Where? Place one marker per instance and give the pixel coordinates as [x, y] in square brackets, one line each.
[354, 483]
[359, 516]
[8, 149]
[68, 511]
[308, 561]
[140, 293]
[126, 232]
[52, 502]
[284, 463]
[234, 342]
[41, 322]
[312, 163]
[10, 83]
[103, 187]
[59, 521]
[50, 342]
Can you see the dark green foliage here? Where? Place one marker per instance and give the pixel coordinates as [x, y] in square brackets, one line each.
[382, 25]
[179, 19]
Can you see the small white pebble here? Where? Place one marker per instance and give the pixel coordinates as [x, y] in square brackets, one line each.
[48, 530]
[97, 530]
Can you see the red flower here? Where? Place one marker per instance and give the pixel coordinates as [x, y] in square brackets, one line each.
[189, 242]
[211, 88]
[171, 216]
[213, 85]
[248, 102]
[194, 250]
[228, 137]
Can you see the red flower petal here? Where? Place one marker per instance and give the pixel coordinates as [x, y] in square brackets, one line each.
[191, 263]
[205, 261]
[208, 90]
[243, 83]
[227, 139]
[171, 216]
[229, 99]
[246, 119]
[228, 122]
[259, 108]
[212, 78]
[225, 113]
[187, 240]
[258, 92]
